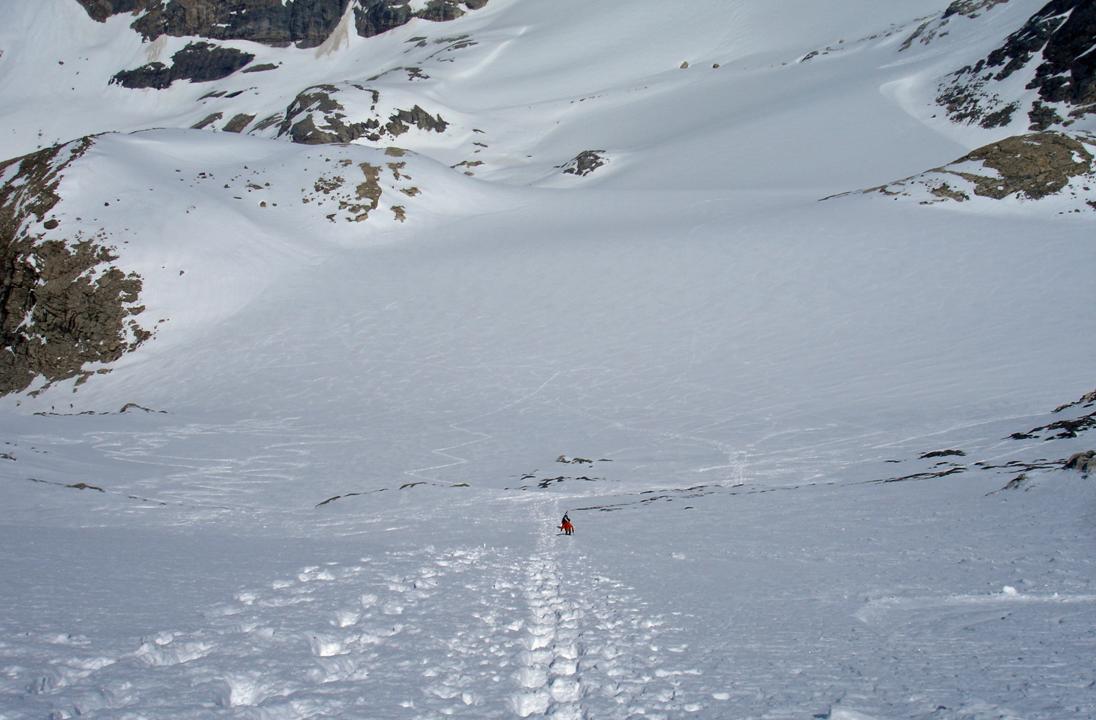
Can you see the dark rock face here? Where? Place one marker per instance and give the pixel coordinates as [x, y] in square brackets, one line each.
[305, 23]
[62, 302]
[197, 62]
[102, 9]
[373, 17]
[585, 163]
[1059, 39]
[300, 125]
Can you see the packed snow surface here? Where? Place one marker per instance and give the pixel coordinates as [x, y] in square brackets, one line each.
[783, 426]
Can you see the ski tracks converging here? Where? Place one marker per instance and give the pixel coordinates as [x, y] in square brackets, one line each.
[473, 632]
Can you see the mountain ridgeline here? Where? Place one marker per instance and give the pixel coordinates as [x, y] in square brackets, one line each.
[304, 23]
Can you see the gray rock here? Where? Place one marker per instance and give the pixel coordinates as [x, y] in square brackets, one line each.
[1084, 462]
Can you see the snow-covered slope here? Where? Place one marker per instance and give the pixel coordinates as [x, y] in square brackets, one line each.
[809, 445]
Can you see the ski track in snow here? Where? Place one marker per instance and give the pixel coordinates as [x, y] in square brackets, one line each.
[466, 632]
[591, 650]
[480, 437]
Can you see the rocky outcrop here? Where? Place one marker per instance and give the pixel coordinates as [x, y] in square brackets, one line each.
[1057, 44]
[1030, 166]
[304, 23]
[197, 62]
[102, 9]
[319, 115]
[1084, 462]
[585, 163]
[1034, 166]
[62, 301]
[238, 123]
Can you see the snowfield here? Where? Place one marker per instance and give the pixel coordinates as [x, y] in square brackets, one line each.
[810, 446]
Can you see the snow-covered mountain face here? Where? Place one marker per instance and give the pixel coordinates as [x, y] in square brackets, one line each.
[1052, 53]
[318, 313]
[492, 94]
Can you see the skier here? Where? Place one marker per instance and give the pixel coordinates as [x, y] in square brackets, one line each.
[566, 526]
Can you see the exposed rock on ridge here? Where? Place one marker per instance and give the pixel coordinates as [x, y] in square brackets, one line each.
[1057, 43]
[1034, 166]
[62, 302]
[197, 62]
[934, 27]
[305, 23]
[318, 115]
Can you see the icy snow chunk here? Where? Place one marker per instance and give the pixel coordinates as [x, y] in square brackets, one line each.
[534, 703]
[325, 646]
[841, 714]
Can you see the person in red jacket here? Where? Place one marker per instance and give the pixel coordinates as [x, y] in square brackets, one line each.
[566, 526]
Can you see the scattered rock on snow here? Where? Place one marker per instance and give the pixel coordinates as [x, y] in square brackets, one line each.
[1087, 400]
[1060, 430]
[934, 27]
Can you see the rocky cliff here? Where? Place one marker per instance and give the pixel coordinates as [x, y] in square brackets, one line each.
[63, 303]
[304, 23]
